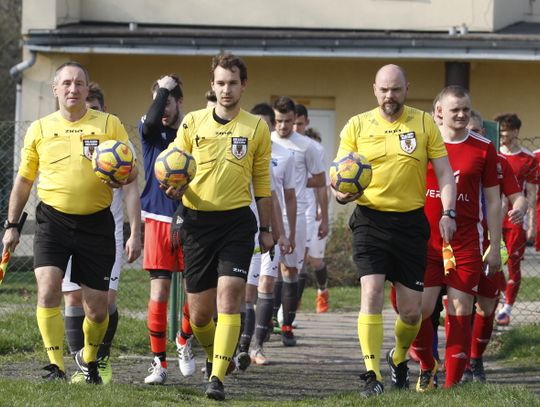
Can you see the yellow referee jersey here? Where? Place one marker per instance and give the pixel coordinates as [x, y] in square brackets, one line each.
[398, 153]
[230, 158]
[61, 151]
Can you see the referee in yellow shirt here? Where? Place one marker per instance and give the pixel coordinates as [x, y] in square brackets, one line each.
[232, 149]
[73, 217]
[390, 231]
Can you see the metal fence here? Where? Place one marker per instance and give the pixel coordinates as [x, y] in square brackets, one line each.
[18, 290]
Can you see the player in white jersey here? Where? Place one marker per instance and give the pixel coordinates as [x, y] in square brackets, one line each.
[74, 312]
[307, 161]
[284, 198]
[316, 220]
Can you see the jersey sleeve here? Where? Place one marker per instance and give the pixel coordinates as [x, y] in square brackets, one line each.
[184, 139]
[532, 174]
[489, 174]
[507, 178]
[261, 161]
[28, 168]
[435, 147]
[314, 161]
[289, 177]
[347, 137]
[118, 132]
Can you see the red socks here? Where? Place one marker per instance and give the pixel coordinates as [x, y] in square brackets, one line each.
[481, 334]
[422, 345]
[157, 327]
[458, 346]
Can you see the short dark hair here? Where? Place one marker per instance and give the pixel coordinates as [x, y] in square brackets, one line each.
[476, 116]
[264, 109]
[452, 90]
[229, 61]
[210, 96]
[284, 104]
[301, 110]
[509, 121]
[74, 64]
[95, 92]
[175, 92]
[313, 134]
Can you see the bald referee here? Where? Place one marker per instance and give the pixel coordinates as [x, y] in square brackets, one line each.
[390, 230]
[73, 216]
[232, 149]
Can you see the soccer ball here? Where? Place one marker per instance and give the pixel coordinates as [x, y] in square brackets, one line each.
[350, 174]
[112, 161]
[174, 167]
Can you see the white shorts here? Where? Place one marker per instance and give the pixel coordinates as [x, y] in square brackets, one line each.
[296, 258]
[254, 269]
[270, 267]
[68, 286]
[315, 246]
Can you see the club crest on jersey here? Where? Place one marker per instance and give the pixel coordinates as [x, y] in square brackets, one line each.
[89, 145]
[407, 141]
[239, 146]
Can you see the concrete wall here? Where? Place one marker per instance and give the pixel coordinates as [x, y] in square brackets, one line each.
[412, 15]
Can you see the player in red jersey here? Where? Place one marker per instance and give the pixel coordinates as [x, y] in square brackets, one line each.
[474, 162]
[490, 287]
[525, 168]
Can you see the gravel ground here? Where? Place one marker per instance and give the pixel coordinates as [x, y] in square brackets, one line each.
[325, 361]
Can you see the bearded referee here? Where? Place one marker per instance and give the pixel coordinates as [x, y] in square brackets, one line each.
[73, 216]
[232, 149]
[390, 230]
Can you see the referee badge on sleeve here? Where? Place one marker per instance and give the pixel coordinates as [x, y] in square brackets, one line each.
[407, 141]
[239, 146]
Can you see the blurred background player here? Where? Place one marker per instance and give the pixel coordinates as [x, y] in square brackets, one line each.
[74, 311]
[474, 162]
[211, 99]
[316, 222]
[74, 219]
[525, 168]
[158, 129]
[284, 204]
[307, 162]
[490, 287]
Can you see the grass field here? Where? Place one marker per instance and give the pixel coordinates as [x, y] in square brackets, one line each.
[23, 393]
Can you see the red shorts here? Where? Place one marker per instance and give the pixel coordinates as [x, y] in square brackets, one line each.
[465, 278]
[491, 287]
[158, 253]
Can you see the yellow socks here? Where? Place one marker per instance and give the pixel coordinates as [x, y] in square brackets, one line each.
[51, 327]
[405, 335]
[205, 337]
[226, 339]
[370, 334]
[93, 336]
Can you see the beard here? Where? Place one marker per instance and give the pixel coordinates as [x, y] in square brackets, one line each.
[172, 119]
[391, 108]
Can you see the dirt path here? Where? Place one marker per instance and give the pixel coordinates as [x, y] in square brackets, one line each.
[325, 361]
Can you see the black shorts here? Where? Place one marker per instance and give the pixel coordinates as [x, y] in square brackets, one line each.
[88, 239]
[391, 243]
[216, 244]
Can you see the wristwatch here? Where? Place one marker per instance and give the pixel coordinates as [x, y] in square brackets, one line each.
[9, 225]
[266, 229]
[451, 213]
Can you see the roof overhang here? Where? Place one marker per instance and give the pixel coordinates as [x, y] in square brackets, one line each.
[90, 38]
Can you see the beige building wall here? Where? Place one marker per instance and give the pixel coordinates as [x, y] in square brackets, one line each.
[411, 15]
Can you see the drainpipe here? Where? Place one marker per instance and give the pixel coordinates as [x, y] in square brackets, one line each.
[16, 72]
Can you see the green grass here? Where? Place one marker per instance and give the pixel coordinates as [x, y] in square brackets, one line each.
[24, 393]
[520, 345]
[529, 290]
